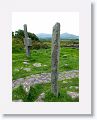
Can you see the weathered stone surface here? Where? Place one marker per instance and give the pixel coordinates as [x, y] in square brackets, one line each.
[44, 78]
[20, 80]
[27, 41]
[17, 82]
[55, 58]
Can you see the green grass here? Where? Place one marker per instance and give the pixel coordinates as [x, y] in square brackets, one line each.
[69, 60]
[43, 56]
[19, 93]
[36, 90]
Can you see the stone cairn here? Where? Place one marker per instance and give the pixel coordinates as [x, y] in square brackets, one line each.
[55, 58]
[27, 41]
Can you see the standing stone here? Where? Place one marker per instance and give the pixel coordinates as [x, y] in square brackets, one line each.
[55, 58]
[27, 41]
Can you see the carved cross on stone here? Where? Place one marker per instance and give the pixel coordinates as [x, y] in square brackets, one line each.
[27, 41]
[55, 58]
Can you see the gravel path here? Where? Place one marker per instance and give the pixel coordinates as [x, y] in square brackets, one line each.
[42, 78]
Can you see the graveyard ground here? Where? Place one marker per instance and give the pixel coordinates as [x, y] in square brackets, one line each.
[23, 66]
[40, 62]
[45, 89]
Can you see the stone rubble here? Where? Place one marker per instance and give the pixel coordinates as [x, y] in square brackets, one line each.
[43, 78]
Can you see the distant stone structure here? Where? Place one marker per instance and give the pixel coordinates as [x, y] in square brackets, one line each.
[55, 58]
[27, 41]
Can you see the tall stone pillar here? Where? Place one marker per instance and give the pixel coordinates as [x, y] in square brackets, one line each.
[55, 58]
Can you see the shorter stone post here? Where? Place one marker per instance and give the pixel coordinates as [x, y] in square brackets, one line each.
[27, 41]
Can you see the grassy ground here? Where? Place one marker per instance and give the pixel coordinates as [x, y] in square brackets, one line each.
[69, 60]
[36, 90]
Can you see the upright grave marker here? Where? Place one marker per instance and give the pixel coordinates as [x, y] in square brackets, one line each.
[27, 41]
[55, 58]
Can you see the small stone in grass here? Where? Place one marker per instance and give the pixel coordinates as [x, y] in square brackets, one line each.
[26, 63]
[73, 95]
[76, 87]
[27, 69]
[26, 87]
[37, 64]
[40, 98]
